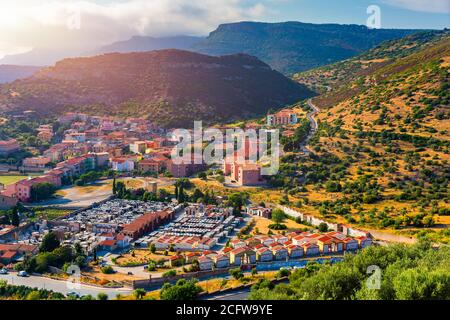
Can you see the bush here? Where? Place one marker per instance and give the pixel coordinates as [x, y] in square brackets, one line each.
[183, 290]
[107, 270]
[169, 274]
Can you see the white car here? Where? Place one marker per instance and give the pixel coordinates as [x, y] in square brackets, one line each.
[3, 271]
[23, 274]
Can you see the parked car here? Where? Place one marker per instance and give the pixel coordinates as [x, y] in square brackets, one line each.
[23, 274]
[3, 271]
[130, 273]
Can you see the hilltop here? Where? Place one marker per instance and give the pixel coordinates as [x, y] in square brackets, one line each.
[170, 87]
[291, 47]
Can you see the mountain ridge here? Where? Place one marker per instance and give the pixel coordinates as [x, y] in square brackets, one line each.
[171, 87]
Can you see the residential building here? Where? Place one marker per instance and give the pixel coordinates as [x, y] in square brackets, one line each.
[205, 263]
[284, 117]
[222, 261]
[243, 255]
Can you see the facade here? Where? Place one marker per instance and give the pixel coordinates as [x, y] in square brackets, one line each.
[284, 117]
[241, 256]
[222, 261]
[264, 254]
[205, 263]
[149, 165]
[122, 164]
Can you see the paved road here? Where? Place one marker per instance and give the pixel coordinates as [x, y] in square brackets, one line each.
[61, 286]
[314, 126]
[235, 295]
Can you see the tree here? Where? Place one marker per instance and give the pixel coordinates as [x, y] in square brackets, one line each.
[14, 217]
[236, 273]
[278, 216]
[323, 227]
[114, 186]
[183, 290]
[152, 248]
[102, 296]
[202, 175]
[236, 201]
[139, 294]
[42, 191]
[49, 243]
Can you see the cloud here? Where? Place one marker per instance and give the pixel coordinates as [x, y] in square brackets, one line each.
[434, 6]
[50, 23]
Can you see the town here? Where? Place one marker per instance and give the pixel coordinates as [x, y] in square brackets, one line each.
[190, 238]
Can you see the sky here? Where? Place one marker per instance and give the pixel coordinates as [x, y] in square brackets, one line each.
[89, 24]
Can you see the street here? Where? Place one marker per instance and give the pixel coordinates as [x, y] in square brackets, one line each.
[61, 286]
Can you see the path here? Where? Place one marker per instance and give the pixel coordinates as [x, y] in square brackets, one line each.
[61, 286]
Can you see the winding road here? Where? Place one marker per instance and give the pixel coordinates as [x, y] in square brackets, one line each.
[314, 126]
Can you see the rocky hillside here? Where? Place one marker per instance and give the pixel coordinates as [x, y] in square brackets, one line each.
[380, 158]
[291, 47]
[171, 87]
[337, 81]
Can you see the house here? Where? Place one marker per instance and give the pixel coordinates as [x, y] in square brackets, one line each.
[205, 263]
[280, 239]
[138, 147]
[122, 164]
[222, 261]
[325, 244]
[237, 243]
[260, 212]
[9, 257]
[294, 251]
[350, 244]
[192, 256]
[246, 174]
[149, 165]
[176, 261]
[284, 117]
[107, 245]
[243, 255]
[13, 252]
[123, 241]
[364, 242]
[311, 249]
[36, 162]
[280, 253]
[7, 200]
[266, 240]
[264, 254]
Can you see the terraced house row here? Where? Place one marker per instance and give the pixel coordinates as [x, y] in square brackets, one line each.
[262, 249]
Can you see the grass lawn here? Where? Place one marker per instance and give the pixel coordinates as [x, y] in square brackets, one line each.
[10, 179]
[262, 225]
[50, 213]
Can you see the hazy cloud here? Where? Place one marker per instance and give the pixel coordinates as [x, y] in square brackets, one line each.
[44, 23]
[436, 6]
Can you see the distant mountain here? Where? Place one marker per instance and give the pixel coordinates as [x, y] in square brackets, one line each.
[41, 57]
[9, 73]
[291, 47]
[171, 87]
[141, 44]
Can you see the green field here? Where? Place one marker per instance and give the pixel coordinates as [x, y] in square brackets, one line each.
[7, 180]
